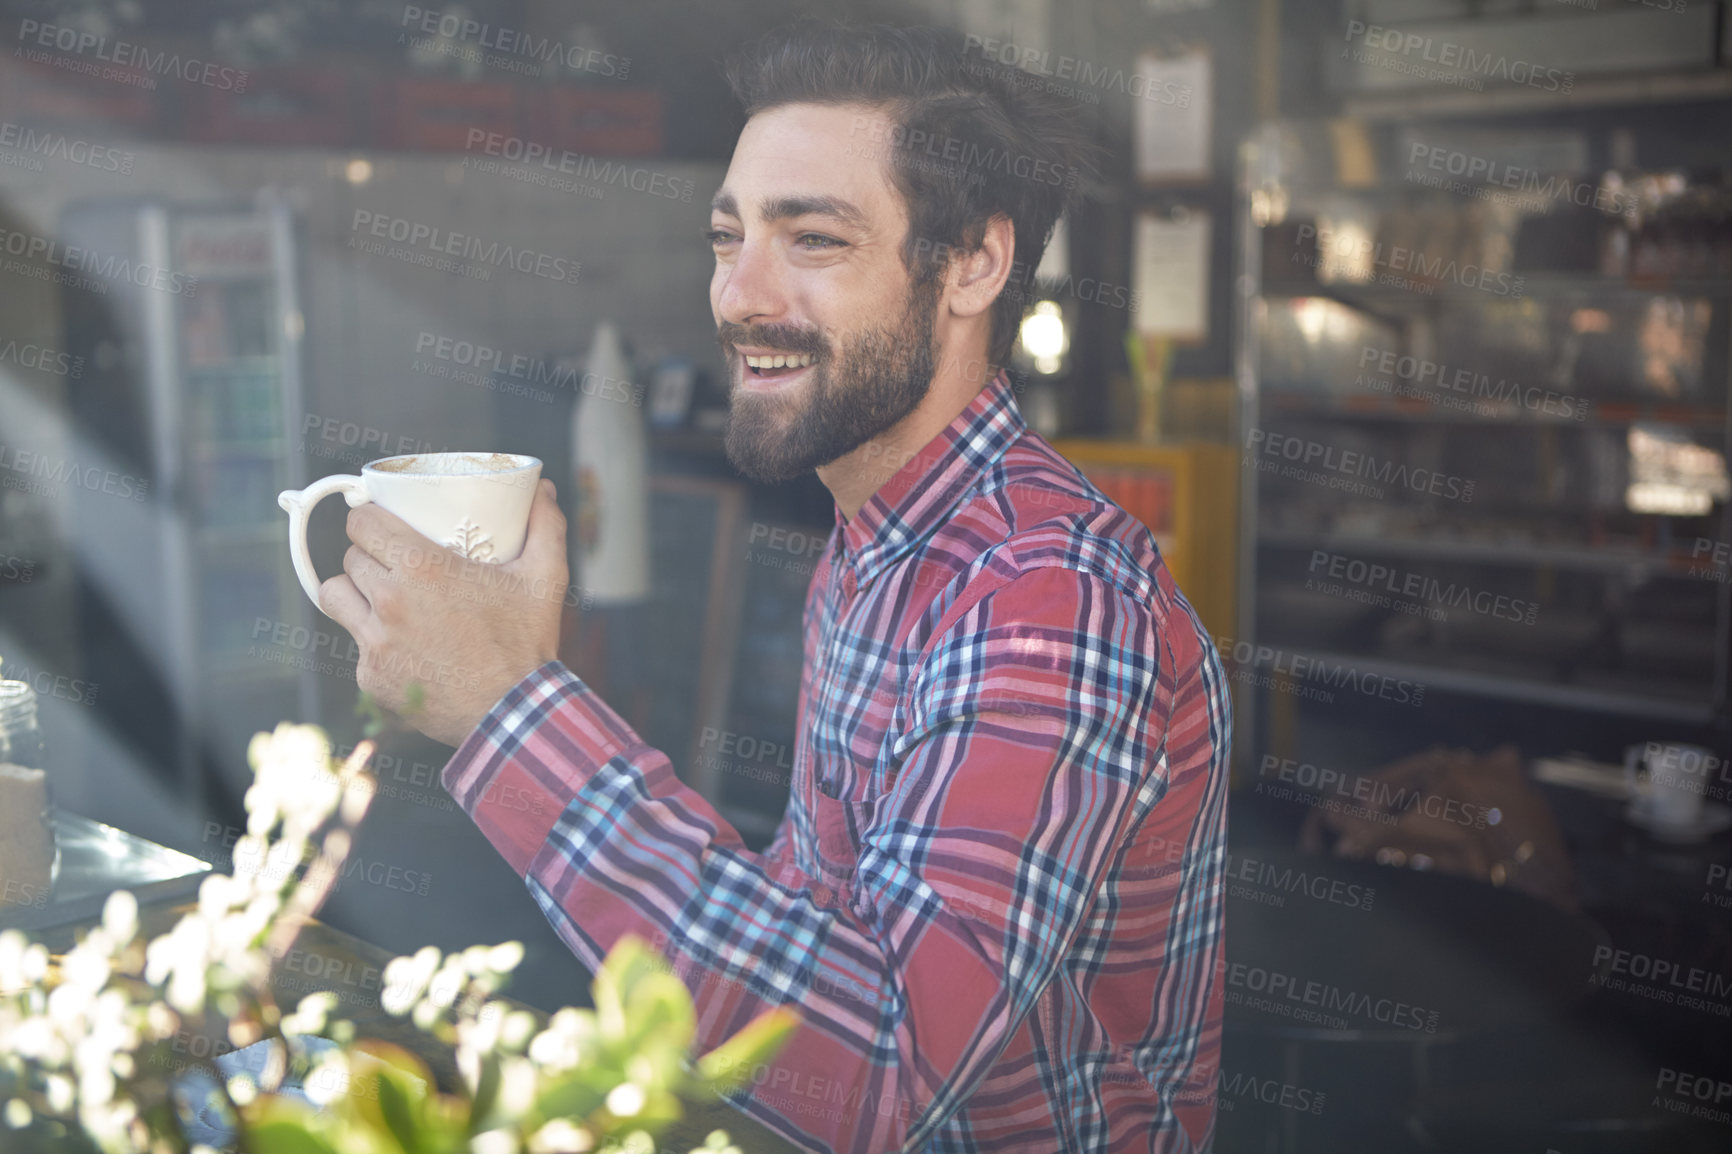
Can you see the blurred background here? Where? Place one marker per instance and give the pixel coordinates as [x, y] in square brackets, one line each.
[1403, 324]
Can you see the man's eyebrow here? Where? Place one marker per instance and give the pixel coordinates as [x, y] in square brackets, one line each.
[787, 207]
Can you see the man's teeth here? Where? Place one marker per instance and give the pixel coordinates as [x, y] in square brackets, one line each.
[799, 361]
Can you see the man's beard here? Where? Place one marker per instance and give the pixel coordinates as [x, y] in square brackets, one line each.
[876, 379]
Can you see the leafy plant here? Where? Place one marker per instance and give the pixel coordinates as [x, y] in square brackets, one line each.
[86, 1053]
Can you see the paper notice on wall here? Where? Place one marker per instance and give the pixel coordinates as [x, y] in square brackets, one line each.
[1175, 100]
[1171, 275]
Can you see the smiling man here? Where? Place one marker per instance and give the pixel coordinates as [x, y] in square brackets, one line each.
[995, 898]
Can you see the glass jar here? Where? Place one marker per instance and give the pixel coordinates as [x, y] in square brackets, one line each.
[21, 745]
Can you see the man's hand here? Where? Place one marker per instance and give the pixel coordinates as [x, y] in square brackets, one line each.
[464, 631]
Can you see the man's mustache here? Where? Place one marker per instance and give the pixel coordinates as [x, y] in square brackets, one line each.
[782, 338]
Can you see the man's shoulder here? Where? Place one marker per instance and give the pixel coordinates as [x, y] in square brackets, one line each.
[1038, 511]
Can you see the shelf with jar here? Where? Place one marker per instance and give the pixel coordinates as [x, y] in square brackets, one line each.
[1485, 438]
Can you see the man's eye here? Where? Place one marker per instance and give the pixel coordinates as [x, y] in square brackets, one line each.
[822, 241]
[718, 236]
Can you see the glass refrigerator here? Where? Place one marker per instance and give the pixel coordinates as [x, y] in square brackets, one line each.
[187, 600]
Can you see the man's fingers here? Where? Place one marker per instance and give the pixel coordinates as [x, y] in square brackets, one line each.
[367, 574]
[388, 537]
[544, 547]
[345, 603]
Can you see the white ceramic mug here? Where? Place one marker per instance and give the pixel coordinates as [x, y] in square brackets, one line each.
[476, 504]
[1676, 779]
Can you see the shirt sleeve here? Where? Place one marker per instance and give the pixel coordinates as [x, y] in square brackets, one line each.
[1031, 747]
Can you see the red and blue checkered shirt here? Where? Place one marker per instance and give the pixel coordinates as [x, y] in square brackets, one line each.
[996, 897]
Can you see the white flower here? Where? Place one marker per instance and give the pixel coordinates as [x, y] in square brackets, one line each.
[625, 1099]
[516, 1086]
[120, 916]
[12, 943]
[504, 957]
[95, 1085]
[516, 1029]
[292, 783]
[406, 978]
[561, 1136]
[494, 1142]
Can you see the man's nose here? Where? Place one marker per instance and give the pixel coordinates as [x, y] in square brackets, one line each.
[752, 288]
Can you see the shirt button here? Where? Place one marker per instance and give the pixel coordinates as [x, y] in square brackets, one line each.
[822, 895]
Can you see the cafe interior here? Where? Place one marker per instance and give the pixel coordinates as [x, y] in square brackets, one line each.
[1403, 326]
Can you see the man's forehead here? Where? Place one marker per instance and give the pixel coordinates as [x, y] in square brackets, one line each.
[811, 159]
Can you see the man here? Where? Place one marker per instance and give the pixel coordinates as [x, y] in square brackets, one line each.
[995, 899]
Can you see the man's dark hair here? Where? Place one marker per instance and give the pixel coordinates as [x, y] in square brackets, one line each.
[969, 142]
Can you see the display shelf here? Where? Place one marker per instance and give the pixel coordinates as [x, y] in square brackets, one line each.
[1482, 684]
[1381, 300]
[1587, 559]
[1603, 92]
[1632, 626]
[1601, 414]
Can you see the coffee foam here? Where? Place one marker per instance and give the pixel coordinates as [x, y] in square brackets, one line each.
[451, 464]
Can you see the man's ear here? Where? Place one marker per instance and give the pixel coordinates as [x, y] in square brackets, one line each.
[977, 277]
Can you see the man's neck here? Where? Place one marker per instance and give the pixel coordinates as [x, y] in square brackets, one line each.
[855, 476]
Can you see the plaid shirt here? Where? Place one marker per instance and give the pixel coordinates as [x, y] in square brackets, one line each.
[996, 896]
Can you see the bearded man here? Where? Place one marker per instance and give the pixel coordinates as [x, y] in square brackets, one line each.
[995, 898]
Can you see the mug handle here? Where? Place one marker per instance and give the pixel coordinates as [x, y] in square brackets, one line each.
[299, 503]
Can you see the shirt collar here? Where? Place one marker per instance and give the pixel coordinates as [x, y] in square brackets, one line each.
[918, 497]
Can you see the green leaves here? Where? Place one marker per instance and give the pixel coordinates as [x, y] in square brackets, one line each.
[730, 1064]
[604, 1079]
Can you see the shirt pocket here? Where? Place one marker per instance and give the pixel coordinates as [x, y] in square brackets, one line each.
[835, 823]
